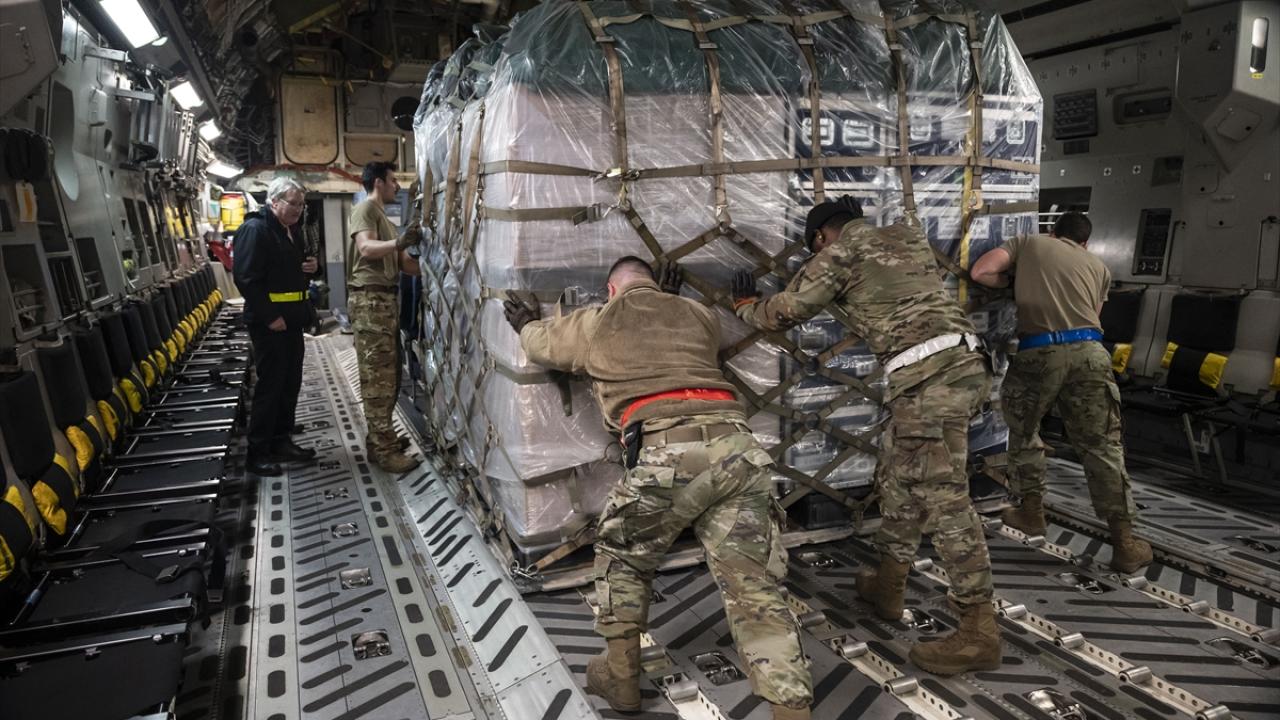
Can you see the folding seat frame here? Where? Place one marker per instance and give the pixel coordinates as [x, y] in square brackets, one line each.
[1200, 339]
[102, 653]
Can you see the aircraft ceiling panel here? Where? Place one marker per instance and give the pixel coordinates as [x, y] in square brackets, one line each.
[1086, 21]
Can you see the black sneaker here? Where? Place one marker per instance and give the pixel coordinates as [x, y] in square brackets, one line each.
[287, 451]
[263, 467]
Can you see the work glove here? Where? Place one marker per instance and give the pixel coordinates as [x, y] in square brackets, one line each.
[519, 312]
[411, 237]
[669, 276]
[743, 288]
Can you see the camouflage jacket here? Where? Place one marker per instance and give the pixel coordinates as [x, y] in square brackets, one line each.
[886, 281]
[641, 342]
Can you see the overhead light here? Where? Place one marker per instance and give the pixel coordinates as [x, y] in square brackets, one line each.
[186, 95]
[223, 170]
[209, 130]
[131, 20]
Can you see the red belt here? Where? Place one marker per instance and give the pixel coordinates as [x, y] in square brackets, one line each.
[681, 394]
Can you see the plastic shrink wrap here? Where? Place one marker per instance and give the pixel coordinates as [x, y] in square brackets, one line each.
[589, 131]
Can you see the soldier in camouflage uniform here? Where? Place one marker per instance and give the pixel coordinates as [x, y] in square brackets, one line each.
[692, 461]
[375, 259]
[886, 281]
[1061, 363]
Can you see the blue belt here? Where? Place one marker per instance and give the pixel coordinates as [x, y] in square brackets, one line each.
[1060, 337]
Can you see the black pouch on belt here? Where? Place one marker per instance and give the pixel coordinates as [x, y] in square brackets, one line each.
[632, 439]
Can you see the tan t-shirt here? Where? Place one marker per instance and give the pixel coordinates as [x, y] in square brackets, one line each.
[1059, 284]
[362, 272]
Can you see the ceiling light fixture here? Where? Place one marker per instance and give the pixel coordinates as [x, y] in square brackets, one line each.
[131, 20]
[223, 170]
[186, 95]
[210, 131]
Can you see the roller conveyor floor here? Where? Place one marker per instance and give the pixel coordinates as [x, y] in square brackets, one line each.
[355, 594]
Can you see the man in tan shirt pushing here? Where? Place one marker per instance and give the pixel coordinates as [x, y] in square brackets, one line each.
[1060, 361]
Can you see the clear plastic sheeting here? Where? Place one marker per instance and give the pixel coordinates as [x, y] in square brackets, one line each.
[699, 132]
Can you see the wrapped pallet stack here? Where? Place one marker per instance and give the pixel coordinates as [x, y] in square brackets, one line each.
[701, 133]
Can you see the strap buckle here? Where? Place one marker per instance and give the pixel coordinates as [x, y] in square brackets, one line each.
[168, 574]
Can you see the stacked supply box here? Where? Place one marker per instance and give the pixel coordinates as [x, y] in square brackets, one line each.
[594, 130]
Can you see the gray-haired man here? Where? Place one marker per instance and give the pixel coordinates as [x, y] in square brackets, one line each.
[271, 273]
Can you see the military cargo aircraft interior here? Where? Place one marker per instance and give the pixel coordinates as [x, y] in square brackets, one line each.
[660, 359]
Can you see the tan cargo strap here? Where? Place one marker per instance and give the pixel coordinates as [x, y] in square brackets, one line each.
[576, 215]
[584, 536]
[617, 98]
[716, 105]
[533, 168]
[451, 182]
[904, 121]
[743, 167]
[521, 377]
[800, 32]
[472, 200]
[971, 197]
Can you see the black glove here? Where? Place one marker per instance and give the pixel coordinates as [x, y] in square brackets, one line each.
[743, 286]
[411, 236]
[669, 276]
[519, 313]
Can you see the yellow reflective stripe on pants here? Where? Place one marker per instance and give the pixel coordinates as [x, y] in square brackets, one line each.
[286, 296]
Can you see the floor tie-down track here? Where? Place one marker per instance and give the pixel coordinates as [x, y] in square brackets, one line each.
[351, 563]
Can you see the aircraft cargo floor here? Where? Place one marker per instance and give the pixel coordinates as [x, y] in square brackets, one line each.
[354, 594]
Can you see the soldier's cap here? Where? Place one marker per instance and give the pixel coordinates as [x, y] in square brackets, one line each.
[822, 213]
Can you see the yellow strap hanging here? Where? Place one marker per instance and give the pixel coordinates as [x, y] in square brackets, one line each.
[50, 507]
[109, 419]
[131, 392]
[148, 374]
[1120, 357]
[171, 348]
[82, 444]
[8, 561]
[97, 427]
[127, 416]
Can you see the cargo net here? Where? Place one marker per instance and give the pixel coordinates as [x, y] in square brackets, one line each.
[699, 133]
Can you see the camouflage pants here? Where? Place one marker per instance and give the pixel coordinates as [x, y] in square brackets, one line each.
[375, 318]
[924, 486]
[722, 489]
[1077, 378]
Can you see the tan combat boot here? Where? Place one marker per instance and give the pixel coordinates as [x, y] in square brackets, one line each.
[884, 587]
[396, 463]
[1027, 517]
[975, 645]
[782, 712]
[1128, 553]
[615, 674]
